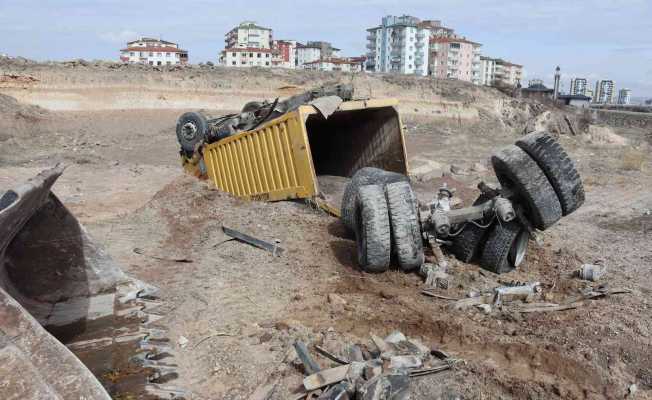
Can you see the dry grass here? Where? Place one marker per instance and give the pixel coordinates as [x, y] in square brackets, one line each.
[633, 160]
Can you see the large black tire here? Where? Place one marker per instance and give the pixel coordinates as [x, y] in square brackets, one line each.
[498, 254]
[364, 176]
[466, 245]
[406, 229]
[191, 129]
[529, 186]
[558, 167]
[372, 233]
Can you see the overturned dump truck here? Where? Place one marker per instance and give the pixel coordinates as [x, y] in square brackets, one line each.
[286, 149]
[70, 319]
[281, 150]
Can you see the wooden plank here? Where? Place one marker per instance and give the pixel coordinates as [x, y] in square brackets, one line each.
[326, 377]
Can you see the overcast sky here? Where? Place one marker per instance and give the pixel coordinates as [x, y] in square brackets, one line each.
[596, 39]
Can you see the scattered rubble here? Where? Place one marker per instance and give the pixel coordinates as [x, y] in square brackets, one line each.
[384, 374]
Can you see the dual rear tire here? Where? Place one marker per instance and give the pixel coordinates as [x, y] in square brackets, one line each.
[386, 224]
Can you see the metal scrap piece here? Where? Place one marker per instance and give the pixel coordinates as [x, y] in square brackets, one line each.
[261, 244]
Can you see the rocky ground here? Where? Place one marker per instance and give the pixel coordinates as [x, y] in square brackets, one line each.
[240, 309]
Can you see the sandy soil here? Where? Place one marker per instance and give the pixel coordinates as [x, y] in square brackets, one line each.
[240, 308]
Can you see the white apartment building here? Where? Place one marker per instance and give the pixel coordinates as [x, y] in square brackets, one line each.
[604, 92]
[307, 54]
[487, 71]
[247, 57]
[398, 45]
[578, 86]
[153, 52]
[624, 96]
[248, 35]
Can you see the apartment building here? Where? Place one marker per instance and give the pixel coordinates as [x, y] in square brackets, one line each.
[285, 53]
[487, 70]
[604, 92]
[307, 54]
[496, 71]
[398, 45]
[326, 48]
[453, 57]
[248, 35]
[247, 57]
[354, 64]
[624, 96]
[153, 51]
[578, 86]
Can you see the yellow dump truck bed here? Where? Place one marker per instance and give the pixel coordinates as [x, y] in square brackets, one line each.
[283, 158]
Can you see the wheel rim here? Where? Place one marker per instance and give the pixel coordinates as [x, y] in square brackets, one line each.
[189, 130]
[519, 248]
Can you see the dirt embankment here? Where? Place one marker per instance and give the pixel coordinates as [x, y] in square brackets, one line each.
[104, 86]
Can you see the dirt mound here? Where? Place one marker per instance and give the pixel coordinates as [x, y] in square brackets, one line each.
[17, 119]
[11, 108]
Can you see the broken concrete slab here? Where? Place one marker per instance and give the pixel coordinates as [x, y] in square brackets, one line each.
[395, 337]
[404, 362]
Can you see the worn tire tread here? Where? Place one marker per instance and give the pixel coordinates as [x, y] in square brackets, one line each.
[372, 232]
[364, 176]
[514, 168]
[404, 221]
[495, 254]
[558, 168]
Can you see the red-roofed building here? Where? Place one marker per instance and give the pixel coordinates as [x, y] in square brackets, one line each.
[352, 64]
[153, 52]
[285, 53]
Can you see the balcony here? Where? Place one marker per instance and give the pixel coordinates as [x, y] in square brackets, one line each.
[371, 37]
[419, 45]
[420, 35]
[371, 46]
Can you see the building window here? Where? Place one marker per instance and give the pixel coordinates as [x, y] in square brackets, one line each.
[234, 63]
[267, 55]
[258, 55]
[151, 63]
[169, 63]
[168, 54]
[131, 54]
[151, 54]
[159, 54]
[251, 54]
[233, 54]
[159, 63]
[266, 62]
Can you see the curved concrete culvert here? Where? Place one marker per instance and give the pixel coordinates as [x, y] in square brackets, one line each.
[63, 300]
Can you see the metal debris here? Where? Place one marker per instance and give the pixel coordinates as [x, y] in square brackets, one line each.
[261, 244]
[160, 258]
[511, 293]
[591, 272]
[309, 365]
